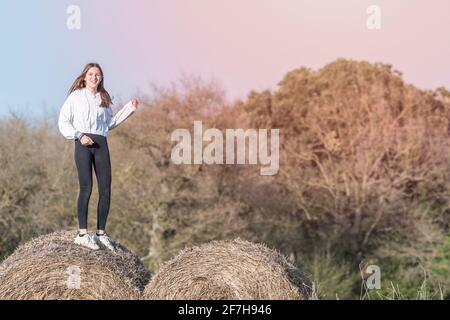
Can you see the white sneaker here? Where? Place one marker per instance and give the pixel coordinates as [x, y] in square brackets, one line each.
[106, 241]
[87, 241]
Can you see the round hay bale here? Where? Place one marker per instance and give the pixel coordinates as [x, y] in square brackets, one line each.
[229, 270]
[53, 267]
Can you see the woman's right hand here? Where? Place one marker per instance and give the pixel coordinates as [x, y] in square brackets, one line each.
[134, 103]
[86, 141]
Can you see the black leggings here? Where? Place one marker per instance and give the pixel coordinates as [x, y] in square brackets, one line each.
[96, 155]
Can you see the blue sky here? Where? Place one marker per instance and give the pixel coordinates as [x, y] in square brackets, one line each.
[41, 57]
[244, 44]
[37, 57]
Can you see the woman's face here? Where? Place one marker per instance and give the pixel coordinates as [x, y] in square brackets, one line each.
[93, 78]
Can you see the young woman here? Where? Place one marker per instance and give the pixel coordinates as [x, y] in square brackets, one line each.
[86, 117]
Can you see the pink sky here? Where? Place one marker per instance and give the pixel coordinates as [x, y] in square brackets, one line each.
[244, 44]
[249, 44]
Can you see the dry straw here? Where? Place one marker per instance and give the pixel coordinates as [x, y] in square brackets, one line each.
[229, 270]
[53, 267]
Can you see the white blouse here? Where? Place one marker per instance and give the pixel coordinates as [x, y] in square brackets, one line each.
[81, 113]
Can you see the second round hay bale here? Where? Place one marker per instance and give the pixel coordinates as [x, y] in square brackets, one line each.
[53, 267]
[229, 270]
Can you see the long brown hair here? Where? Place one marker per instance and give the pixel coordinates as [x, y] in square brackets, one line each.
[79, 83]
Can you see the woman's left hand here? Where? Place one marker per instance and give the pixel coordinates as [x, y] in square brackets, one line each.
[134, 103]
